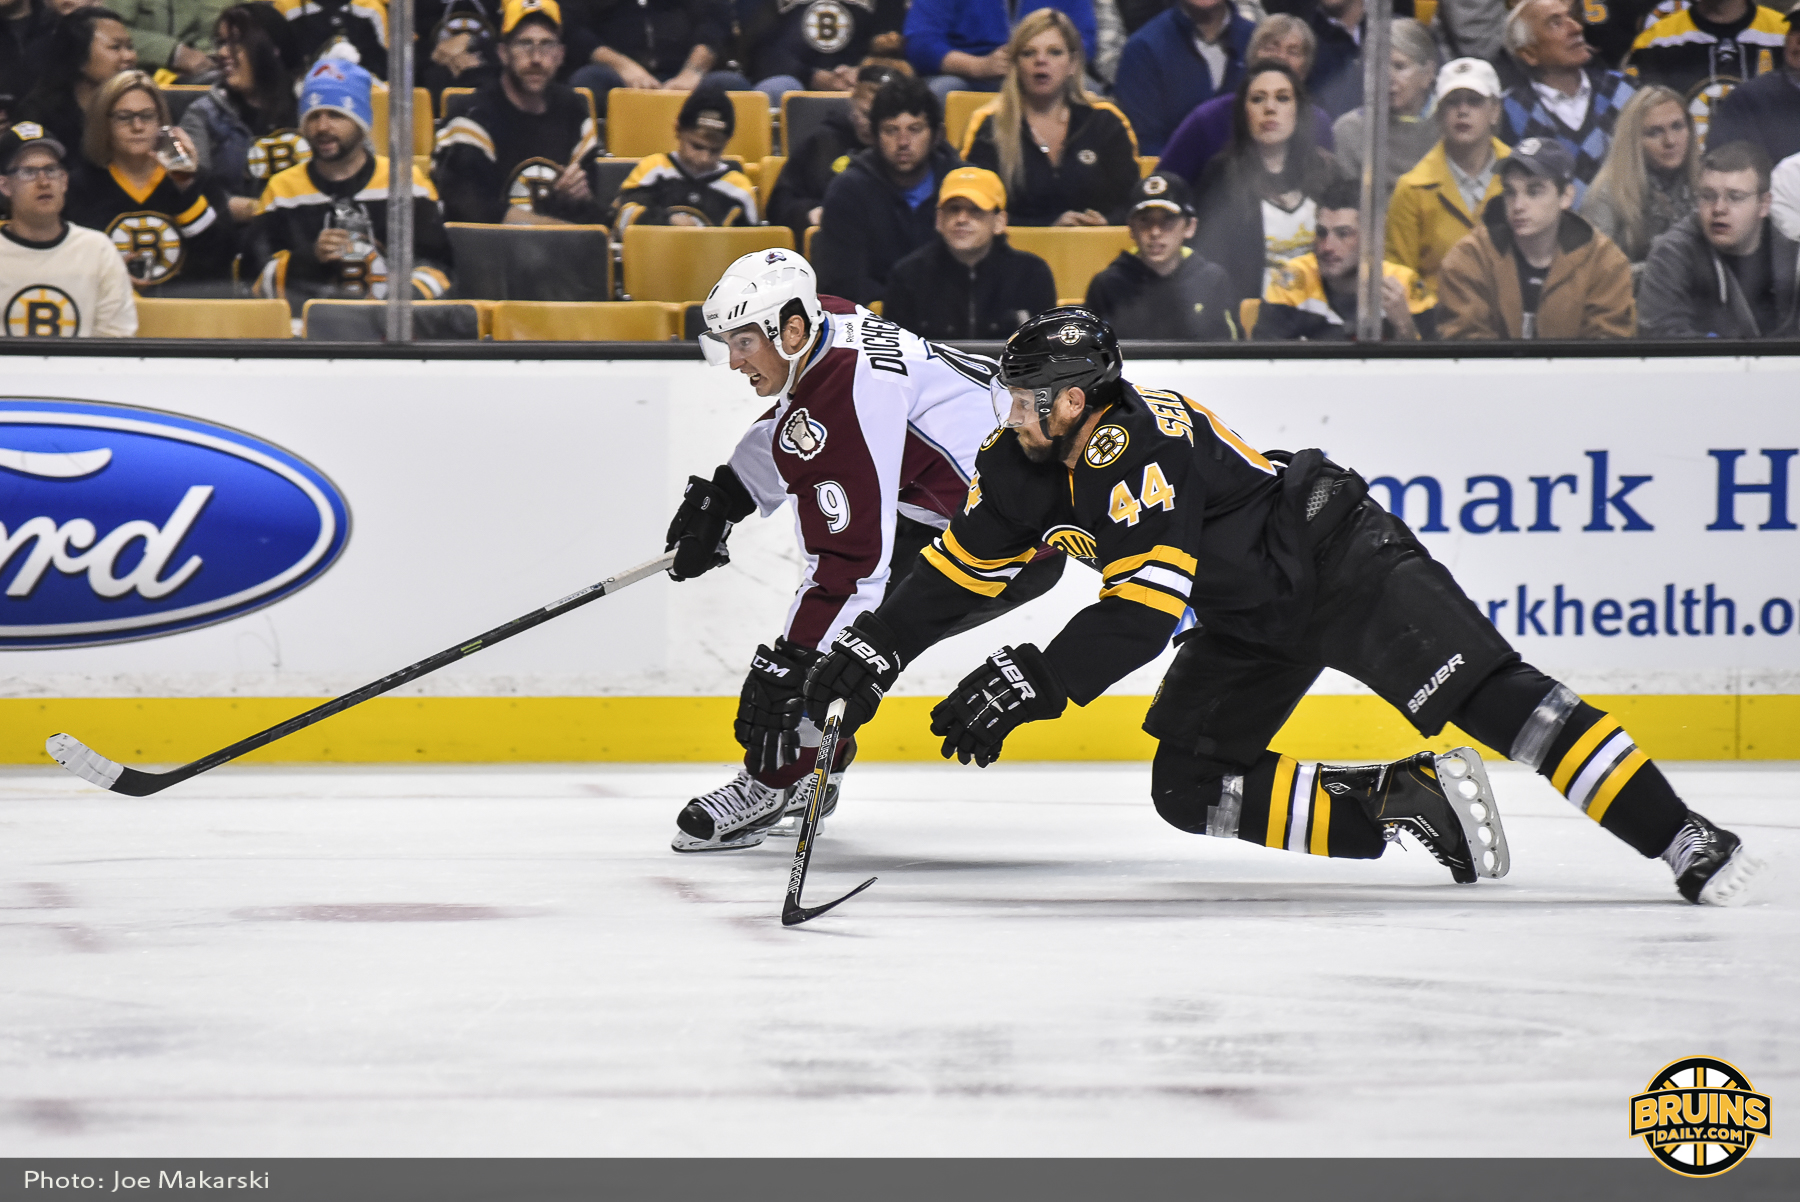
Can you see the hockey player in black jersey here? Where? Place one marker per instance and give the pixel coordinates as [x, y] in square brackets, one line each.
[1288, 568]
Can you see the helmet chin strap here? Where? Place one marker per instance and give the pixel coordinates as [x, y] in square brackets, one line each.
[794, 360]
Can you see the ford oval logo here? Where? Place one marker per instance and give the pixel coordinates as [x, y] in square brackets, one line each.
[120, 523]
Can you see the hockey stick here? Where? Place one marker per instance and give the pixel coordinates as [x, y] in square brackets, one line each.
[792, 912]
[96, 769]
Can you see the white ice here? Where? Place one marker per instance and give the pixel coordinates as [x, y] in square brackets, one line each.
[465, 961]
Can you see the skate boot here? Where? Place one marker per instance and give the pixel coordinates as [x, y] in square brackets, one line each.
[799, 794]
[1443, 801]
[1712, 868]
[736, 814]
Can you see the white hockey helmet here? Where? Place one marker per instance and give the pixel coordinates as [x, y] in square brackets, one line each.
[753, 291]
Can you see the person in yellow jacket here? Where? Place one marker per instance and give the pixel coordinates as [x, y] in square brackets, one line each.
[1313, 297]
[1441, 199]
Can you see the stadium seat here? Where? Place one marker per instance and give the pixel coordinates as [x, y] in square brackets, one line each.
[366, 320]
[611, 321]
[681, 263]
[806, 245]
[1075, 253]
[1146, 165]
[804, 112]
[422, 124]
[1248, 309]
[174, 317]
[641, 122]
[693, 320]
[607, 177]
[531, 262]
[1425, 11]
[765, 180]
[959, 109]
[180, 95]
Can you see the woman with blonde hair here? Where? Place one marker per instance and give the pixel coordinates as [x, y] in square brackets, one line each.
[140, 184]
[1646, 184]
[1066, 157]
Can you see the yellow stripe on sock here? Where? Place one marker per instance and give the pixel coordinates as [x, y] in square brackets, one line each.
[1321, 845]
[1278, 801]
[1584, 747]
[1616, 780]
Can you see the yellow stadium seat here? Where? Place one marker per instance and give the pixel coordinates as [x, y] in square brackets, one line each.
[682, 263]
[959, 109]
[448, 94]
[422, 123]
[1075, 253]
[803, 112]
[1147, 163]
[1248, 309]
[765, 181]
[1425, 11]
[641, 122]
[806, 246]
[606, 321]
[366, 320]
[172, 317]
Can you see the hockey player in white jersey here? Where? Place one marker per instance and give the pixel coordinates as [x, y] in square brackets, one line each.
[873, 437]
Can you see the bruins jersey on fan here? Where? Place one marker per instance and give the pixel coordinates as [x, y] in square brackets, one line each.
[1166, 503]
[1295, 305]
[493, 156]
[174, 242]
[660, 186]
[1704, 60]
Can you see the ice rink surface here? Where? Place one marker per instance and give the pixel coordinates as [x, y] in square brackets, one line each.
[484, 961]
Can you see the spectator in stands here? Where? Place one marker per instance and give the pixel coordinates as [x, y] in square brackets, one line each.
[675, 45]
[1163, 289]
[24, 25]
[88, 47]
[1766, 110]
[696, 185]
[1195, 50]
[879, 210]
[1067, 158]
[462, 38]
[519, 152]
[1314, 297]
[57, 280]
[968, 282]
[1784, 197]
[1724, 271]
[1438, 202]
[1258, 200]
[1533, 269]
[1206, 131]
[1336, 80]
[1646, 184]
[322, 226]
[174, 34]
[167, 222]
[1477, 28]
[815, 45]
[243, 129]
[1709, 47]
[1567, 98]
[799, 197]
[960, 45]
[348, 30]
[1412, 74]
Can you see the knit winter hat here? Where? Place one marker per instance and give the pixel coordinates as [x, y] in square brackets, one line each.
[341, 87]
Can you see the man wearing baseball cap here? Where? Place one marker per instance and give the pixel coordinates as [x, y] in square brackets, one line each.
[968, 282]
[1163, 288]
[696, 184]
[1441, 199]
[1766, 110]
[56, 280]
[518, 151]
[1533, 269]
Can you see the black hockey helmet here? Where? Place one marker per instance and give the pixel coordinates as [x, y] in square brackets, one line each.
[1065, 347]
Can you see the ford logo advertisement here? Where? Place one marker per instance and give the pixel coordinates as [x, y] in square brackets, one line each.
[120, 523]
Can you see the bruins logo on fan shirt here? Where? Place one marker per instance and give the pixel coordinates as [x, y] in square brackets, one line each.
[275, 152]
[1075, 542]
[151, 246]
[42, 311]
[1700, 1116]
[531, 182]
[1107, 444]
[827, 26]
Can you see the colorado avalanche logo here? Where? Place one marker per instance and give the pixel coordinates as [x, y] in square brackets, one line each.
[774, 256]
[801, 435]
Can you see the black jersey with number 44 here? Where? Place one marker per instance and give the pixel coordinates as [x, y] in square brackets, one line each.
[1166, 503]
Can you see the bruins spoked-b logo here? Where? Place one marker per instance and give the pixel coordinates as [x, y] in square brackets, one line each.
[1700, 1116]
[532, 182]
[1076, 542]
[1107, 444]
[151, 246]
[275, 152]
[42, 311]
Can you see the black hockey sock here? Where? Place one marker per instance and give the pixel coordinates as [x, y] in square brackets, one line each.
[781, 778]
[1585, 753]
[1278, 803]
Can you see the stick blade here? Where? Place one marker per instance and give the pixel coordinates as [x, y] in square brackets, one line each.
[794, 914]
[83, 760]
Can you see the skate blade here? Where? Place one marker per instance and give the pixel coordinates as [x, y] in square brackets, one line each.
[685, 842]
[1730, 886]
[1465, 783]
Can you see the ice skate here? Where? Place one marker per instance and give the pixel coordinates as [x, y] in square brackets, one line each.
[795, 812]
[1444, 802]
[735, 815]
[1711, 865]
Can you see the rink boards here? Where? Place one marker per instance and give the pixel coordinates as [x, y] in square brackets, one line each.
[1629, 524]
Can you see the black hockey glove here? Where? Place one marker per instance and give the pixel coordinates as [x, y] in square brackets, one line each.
[768, 717]
[1013, 687]
[860, 668]
[701, 526]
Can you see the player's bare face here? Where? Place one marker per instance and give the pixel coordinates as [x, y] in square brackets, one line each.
[753, 354]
